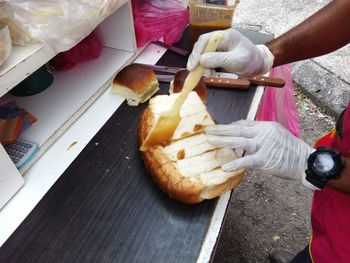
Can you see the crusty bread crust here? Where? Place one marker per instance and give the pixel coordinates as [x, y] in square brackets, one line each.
[167, 175]
[135, 77]
[177, 83]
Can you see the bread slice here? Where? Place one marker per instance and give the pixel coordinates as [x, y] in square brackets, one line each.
[136, 83]
[189, 168]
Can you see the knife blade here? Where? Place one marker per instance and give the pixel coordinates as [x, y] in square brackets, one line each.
[174, 49]
[165, 69]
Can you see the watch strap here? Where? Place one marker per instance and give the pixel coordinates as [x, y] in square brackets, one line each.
[315, 180]
[307, 183]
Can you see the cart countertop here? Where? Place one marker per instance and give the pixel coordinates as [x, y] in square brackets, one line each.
[106, 208]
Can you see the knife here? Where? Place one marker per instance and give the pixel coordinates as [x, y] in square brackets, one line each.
[214, 81]
[255, 80]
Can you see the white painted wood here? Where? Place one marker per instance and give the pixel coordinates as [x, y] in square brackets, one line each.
[69, 94]
[121, 36]
[214, 229]
[72, 91]
[24, 60]
[151, 54]
[57, 110]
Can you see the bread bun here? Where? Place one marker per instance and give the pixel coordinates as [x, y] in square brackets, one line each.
[177, 83]
[189, 168]
[137, 83]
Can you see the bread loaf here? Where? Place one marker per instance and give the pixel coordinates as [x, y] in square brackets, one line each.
[189, 168]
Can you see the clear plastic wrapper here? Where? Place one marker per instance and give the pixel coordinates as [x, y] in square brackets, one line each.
[18, 35]
[59, 24]
[5, 44]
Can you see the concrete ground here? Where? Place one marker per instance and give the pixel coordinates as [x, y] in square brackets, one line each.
[267, 212]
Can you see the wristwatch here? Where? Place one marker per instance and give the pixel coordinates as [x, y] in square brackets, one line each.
[322, 165]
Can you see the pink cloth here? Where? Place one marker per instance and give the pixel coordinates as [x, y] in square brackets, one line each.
[330, 215]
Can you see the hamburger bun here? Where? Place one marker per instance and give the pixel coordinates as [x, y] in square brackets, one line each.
[136, 83]
[188, 168]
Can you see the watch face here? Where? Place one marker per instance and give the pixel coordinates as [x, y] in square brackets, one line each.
[323, 163]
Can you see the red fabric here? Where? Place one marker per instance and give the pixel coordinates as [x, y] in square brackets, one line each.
[330, 216]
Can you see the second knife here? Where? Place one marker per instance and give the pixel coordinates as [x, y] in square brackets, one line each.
[214, 82]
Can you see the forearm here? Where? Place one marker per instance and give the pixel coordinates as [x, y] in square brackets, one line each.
[342, 184]
[322, 33]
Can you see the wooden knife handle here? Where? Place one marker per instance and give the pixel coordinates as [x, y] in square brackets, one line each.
[227, 82]
[267, 81]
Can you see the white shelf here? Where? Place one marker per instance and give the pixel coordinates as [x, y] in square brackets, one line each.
[44, 173]
[69, 95]
[73, 91]
[22, 62]
[70, 112]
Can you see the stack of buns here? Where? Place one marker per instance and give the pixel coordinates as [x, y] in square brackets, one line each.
[135, 82]
[188, 168]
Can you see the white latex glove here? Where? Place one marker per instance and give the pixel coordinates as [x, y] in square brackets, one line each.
[236, 54]
[268, 145]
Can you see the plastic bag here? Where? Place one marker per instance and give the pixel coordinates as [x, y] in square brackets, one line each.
[5, 44]
[60, 24]
[18, 35]
[155, 19]
[279, 104]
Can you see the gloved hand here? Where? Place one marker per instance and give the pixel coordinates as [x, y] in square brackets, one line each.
[236, 54]
[268, 145]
